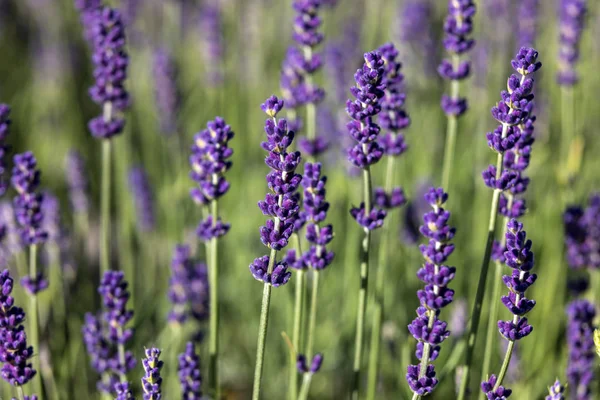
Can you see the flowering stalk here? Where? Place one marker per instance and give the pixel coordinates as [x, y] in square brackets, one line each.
[209, 162]
[105, 25]
[189, 373]
[394, 119]
[457, 27]
[368, 92]
[78, 190]
[510, 112]
[519, 257]
[580, 342]
[556, 391]
[427, 328]
[281, 205]
[308, 373]
[152, 380]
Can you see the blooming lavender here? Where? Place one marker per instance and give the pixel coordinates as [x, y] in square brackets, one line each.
[110, 70]
[211, 30]
[166, 92]
[582, 234]
[77, 181]
[152, 380]
[105, 338]
[88, 10]
[580, 342]
[15, 353]
[188, 287]
[527, 22]
[556, 391]
[572, 17]
[4, 148]
[416, 36]
[123, 391]
[189, 373]
[519, 257]
[427, 328]
[11, 243]
[143, 197]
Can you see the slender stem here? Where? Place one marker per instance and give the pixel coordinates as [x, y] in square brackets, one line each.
[213, 374]
[477, 306]
[298, 307]
[262, 330]
[20, 391]
[35, 319]
[305, 386]
[505, 364]
[105, 208]
[451, 129]
[121, 355]
[313, 315]
[379, 292]
[362, 292]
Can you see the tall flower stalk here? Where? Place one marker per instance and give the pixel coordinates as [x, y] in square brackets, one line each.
[394, 119]
[29, 214]
[511, 111]
[458, 26]
[580, 342]
[427, 328]
[519, 257]
[282, 206]
[152, 381]
[189, 373]
[210, 160]
[367, 151]
[110, 70]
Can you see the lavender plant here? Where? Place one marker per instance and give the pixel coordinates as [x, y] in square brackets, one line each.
[527, 22]
[143, 198]
[394, 119]
[166, 92]
[107, 33]
[416, 36]
[510, 112]
[151, 382]
[281, 205]
[4, 148]
[457, 28]
[189, 373]
[15, 353]
[210, 160]
[211, 34]
[427, 328]
[556, 391]
[367, 151]
[519, 257]
[580, 342]
[77, 181]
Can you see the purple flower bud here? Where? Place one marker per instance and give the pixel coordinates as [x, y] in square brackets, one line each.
[123, 391]
[580, 342]
[166, 91]
[421, 385]
[143, 197]
[372, 220]
[211, 29]
[77, 181]
[189, 373]
[488, 389]
[152, 380]
[572, 20]
[280, 275]
[556, 391]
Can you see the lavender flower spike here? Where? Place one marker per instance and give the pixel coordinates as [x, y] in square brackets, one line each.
[572, 19]
[556, 391]
[427, 328]
[143, 197]
[580, 342]
[77, 181]
[4, 148]
[15, 354]
[123, 391]
[166, 91]
[189, 374]
[152, 380]
[512, 112]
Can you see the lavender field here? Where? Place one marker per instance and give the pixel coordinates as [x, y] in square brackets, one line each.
[299, 199]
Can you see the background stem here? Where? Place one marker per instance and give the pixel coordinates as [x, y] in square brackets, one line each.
[213, 371]
[298, 308]
[105, 208]
[35, 322]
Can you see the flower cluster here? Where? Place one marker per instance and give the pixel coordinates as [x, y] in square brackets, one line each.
[166, 91]
[77, 181]
[123, 391]
[143, 198]
[188, 287]
[88, 10]
[189, 373]
[209, 162]
[315, 364]
[110, 72]
[415, 23]
[427, 328]
[528, 12]
[4, 148]
[211, 27]
[556, 391]
[582, 234]
[15, 354]
[458, 26]
[580, 367]
[10, 243]
[282, 203]
[151, 381]
[103, 337]
[519, 257]
[513, 113]
[572, 18]
[494, 394]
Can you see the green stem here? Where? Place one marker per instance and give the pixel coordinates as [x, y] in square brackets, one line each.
[21, 394]
[105, 208]
[305, 386]
[313, 315]
[213, 373]
[477, 306]
[298, 307]
[362, 292]
[505, 364]
[35, 320]
[121, 354]
[262, 330]
[451, 130]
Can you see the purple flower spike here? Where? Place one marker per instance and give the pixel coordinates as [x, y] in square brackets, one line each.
[501, 393]
[315, 364]
[279, 276]
[110, 71]
[427, 328]
[123, 391]
[572, 20]
[556, 391]
[189, 373]
[15, 354]
[152, 380]
[143, 197]
[4, 148]
[77, 181]
[188, 287]
[211, 30]
[166, 91]
[580, 342]
[582, 236]
[458, 27]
